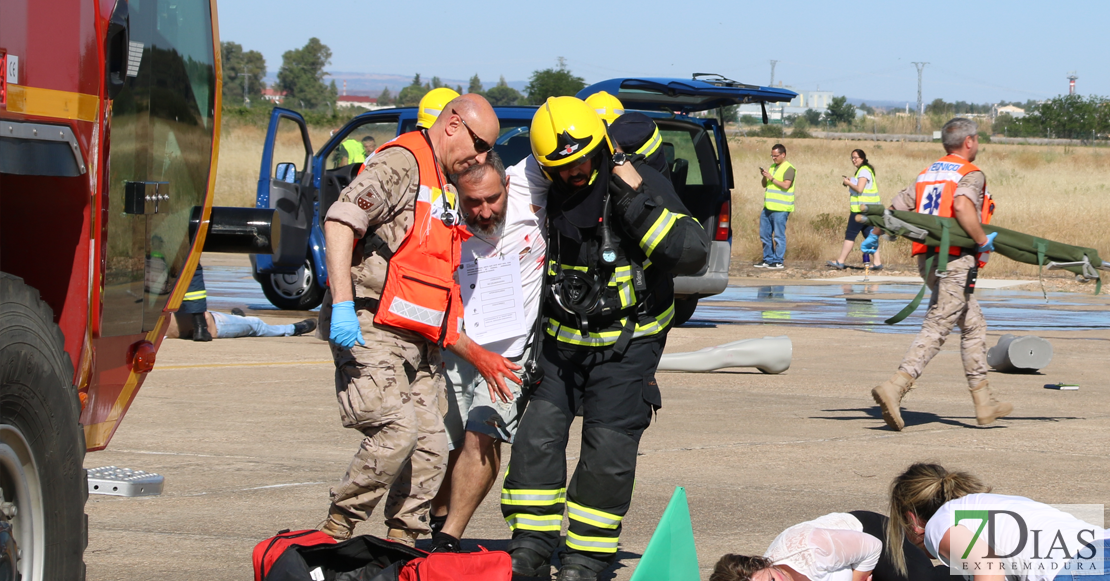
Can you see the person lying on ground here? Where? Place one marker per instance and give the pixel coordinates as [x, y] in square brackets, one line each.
[225, 326]
[834, 547]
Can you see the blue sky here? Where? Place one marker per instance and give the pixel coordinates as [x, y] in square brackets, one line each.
[979, 51]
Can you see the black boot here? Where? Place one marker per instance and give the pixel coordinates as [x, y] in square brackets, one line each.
[529, 563]
[200, 328]
[576, 572]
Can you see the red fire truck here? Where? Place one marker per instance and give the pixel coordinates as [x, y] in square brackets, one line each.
[109, 129]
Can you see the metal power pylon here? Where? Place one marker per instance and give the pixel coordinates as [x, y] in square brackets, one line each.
[920, 110]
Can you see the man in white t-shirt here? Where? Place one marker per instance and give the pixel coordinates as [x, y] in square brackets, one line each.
[506, 218]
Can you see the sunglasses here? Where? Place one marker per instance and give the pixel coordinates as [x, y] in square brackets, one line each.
[480, 145]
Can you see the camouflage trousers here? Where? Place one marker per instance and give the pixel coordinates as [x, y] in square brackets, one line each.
[949, 307]
[393, 391]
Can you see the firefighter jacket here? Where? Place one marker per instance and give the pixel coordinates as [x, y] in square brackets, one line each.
[935, 193]
[420, 293]
[607, 291]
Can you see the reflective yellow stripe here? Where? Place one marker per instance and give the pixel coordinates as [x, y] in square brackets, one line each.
[52, 103]
[592, 516]
[622, 280]
[651, 145]
[533, 497]
[592, 544]
[605, 338]
[196, 295]
[658, 230]
[531, 522]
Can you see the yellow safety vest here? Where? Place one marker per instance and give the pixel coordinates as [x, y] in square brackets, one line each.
[775, 199]
[869, 195]
[356, 153]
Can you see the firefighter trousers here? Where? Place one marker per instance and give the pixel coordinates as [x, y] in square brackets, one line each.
[617, 394]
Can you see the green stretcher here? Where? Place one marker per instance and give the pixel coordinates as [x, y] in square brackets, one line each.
[944, 233]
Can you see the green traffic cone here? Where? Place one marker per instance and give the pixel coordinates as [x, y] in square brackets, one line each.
[671, 554]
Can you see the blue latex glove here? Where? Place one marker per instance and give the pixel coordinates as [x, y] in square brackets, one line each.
[870, 244]
[988, 246]
[345, 329]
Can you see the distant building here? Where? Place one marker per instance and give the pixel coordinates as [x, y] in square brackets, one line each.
[273, 96]
[819, 101]
[366, 102]
[1015, 112]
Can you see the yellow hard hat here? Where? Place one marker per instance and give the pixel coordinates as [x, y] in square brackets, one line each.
[606, 105]
[432, 104]
[565, 130]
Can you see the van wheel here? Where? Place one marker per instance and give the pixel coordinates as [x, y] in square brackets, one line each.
[43, 485]
[294, 292]
[683, 310]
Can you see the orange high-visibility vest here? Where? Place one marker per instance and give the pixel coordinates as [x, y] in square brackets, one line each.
[936, 189]
[420, 292]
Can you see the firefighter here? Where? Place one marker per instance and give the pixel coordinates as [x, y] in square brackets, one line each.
[607, 106]
[393, 305]
[617, 235]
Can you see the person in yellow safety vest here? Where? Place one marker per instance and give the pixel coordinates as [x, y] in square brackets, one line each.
[431, 105]
[607, 106]
[778, 203]
[351, 151]
[862, 189]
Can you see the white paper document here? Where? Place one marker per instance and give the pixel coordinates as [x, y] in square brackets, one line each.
[493, 299]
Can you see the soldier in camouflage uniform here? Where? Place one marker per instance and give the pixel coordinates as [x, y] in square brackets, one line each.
[952, 302]
[391, 388]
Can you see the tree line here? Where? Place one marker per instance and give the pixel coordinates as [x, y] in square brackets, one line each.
[302, 78]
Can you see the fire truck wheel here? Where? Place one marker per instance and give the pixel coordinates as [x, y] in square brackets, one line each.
[294, 292]
[42, 444]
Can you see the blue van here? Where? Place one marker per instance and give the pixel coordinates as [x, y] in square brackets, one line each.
[687, 111]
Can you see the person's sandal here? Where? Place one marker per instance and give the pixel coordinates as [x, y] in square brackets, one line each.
[876, 268]
[836, 265]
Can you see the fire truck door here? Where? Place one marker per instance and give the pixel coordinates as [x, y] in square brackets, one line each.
[161, 137]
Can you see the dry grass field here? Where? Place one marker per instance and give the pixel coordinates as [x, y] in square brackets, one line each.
[1061, 193]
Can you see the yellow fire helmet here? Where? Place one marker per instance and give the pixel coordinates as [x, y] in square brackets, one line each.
[432, 104]
[606, 105]
[565, 130]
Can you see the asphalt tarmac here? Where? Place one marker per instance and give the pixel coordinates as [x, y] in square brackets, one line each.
[247, 435]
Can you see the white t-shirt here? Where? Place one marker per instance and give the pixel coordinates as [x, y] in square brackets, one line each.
[1034, 559]
[827, 548]
[523, 237]
[864, 172]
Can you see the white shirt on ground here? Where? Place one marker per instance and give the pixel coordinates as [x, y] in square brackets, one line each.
[1034, 558]
[827, 548]
[523, 237]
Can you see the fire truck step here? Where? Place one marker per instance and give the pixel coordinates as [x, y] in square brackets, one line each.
[115, 481]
